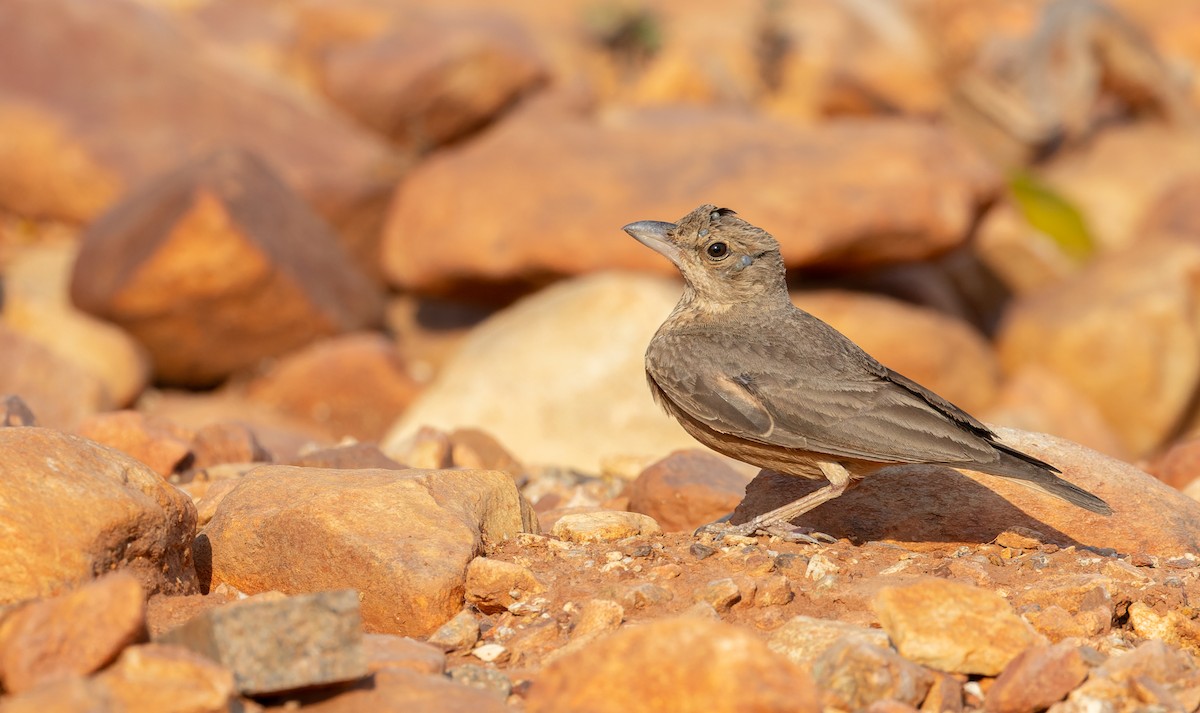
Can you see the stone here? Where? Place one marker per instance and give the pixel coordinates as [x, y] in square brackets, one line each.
[1078, 606]
[387, 651]
[458, 634]
[433, 80]
[74, 144]
[74, 634]
[1136, 307]
[1172, 627]
[347, 457]
[597, 616]
[493, 585]
[70, 695]
[109, 512]
[488, 680]
[206, 505]
[226, 442]
[945, 695]
[807, 186]
[480, 450]
[403, 539]
[720, 594]
[216, 266]
[61, 393]
[918, 503]
[853, 674]
[401, 691]
[687, 489]
[938, 351]
[282, 645]
[954, 627]
[15, 413]
[516, 376]
[1153, 673]
[603, 526]
[1036, 679]
[353, 385]
[698, 665]
[154, 678]
[160, 444]
[1024, 258]
[772, 591]
[37, 304]
[802, 639]
[1179, 465]
[427, 448]
[1173, 213]
[644, 595]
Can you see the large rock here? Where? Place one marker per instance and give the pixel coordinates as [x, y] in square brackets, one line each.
[687, 489]
[923, 503]
[684, 664]
[1125, 333]
[139, 95]
[559, 377]
[59, 392]
[842, 193]
[403, 539]
[216, 266]
[71, 509]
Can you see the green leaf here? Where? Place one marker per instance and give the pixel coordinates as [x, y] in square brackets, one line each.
[1053, 215]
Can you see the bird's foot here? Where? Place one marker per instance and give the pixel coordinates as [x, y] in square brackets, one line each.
[720, 529]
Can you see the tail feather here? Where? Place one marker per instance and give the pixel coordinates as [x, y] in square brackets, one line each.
[1041, 476]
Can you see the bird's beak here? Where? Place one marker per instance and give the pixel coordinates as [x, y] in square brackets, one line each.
[653, 234]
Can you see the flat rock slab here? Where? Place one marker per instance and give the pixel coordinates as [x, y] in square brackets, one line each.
[281, 645]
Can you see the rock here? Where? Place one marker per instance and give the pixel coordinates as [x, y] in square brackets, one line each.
[458, 634]
[687, 489]
[110, 512]
[721, 594]
[916, 504]
[59, 392]
[803, 638]
[775, 590]
[940, 352]
[71, 695]
[150, 265]
[488, 680]
[1024, 258]
[494, 585]
[701, 665]
[808, 187]
[386, 651]
[853, 674]
[75, 141]
[427, 448]
[516, 376]
[354, 385]
[1137, 308]
[1078, 606]
[37, 304]
[348, 457]
[945, 695]
[1173, 213]
[166, 679]
[597, 616]
[226, 442]
[401, 691]
[207, 504]
[1036, 679]
[433, 79]
[1172, 627]
[479, 450]
[603, 526]
[1179, 465]
[74, 634]
[15, 413]
[160, 444]
[1153, 673]
[952, 626]
[403, 539]
[277, 646]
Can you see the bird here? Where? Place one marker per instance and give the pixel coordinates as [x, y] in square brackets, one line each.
[750, 375]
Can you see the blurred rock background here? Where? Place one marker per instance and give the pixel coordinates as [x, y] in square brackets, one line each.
[269, 226]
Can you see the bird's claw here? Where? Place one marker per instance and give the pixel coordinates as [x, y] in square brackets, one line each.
[721, 529]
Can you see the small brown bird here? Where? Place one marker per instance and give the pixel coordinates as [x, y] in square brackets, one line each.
[752, 376]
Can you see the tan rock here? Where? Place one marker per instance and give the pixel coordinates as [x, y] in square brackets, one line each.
[37, 304]
[517, 376]
[924, 504]
[1036, 679]
[73, 144]
[160, 444]
[387, 651]
[945, 695]
[1179, 465]
[480, 450]
[401, 538]
[109, 512]
[807, 186]
[603, 526]
[226, 442]
[348, 457]
[1136, 308]
[59, 392]
[433, 79]
[803, 638]
[687, 489]
[1172, 627]
[201, 265]
[938, 351]
[459, 634]
[699, 665]
[15, 413]
[401, 691]
[71, 695]
[853, 674]
[154, 678]
[952, 626]
[71, 635]
[493, 585]
[354, 385]
[1023, 257]
[214, 493]
[1173, 214]
[1154, 674]
[1063, 607]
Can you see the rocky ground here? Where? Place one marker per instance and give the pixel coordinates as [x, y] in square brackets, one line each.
[321, 378]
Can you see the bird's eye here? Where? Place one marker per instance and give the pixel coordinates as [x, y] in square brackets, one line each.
[717, 250]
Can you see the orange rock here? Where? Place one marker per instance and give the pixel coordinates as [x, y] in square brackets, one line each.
[1036, 679]
[400, 691]
[226, 442]
[1179, 466]
[57, 391]
[687, 489]
[154, 678]
[157, 442]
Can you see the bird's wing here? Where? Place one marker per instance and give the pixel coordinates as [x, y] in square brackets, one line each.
[832, 398]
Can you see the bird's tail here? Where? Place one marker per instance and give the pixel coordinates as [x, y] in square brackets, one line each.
[1042, 476]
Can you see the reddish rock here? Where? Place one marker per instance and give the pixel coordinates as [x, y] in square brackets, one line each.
[1036, 679]
[348, 457]
[808, 187]
[157, 442]
[59, 392]
[154, 678]
[803, 638]
[216, 266]
[1179, 465]
[15, 413]
[479, 450]
[694, 664]
[687, 489]
[108, 512]
[226, 442]
[71, 635]
[494, 585]
[355, 385]
[922, 503]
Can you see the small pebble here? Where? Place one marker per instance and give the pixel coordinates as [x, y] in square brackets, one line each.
[700, 551]
[489, 652]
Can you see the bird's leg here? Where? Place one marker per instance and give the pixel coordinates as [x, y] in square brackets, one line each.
[776, 522]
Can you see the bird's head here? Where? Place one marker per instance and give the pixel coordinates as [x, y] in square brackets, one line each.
[724, 260]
